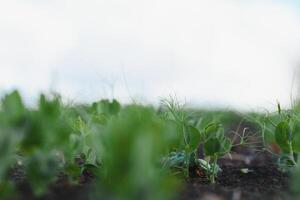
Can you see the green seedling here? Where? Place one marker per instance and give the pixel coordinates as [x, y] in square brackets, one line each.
[91, 120]
[215, 144]
[284, 127]
[189, 138]
[211, 169]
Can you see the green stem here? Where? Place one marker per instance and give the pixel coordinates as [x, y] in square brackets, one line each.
[187, 167]
[264, 135]
[292, 154]
[214, 173]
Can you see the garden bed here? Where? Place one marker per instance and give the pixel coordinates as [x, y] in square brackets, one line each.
[135, 152]
[262, 181]
[246, 175]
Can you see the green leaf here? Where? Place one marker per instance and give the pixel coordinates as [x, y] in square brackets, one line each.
[195, 138]
[296, 138]
[283, 135]
[212, 147]
[107, 107]
[226, 146]
[174, 134]
[13, 107]
[211, 130]
[50, 108]
[115, 107]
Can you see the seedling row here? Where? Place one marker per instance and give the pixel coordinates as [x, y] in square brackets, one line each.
[120, 152]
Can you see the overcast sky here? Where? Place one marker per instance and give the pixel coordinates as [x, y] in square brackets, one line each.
[232, 53]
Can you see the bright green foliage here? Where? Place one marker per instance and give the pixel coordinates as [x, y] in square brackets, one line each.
[45, 143]
[283, 136]
[40, 136]
[194, 139]
[46, 129]
[14, 109]
[212, 147]
[188, 136]
[133, 143]
[122, 147]
[132, 151]
[11, 123]
[106, 107]
[204, 118]
[283, 128]
[215, 144]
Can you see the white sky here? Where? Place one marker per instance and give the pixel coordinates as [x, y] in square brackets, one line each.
[234, 53]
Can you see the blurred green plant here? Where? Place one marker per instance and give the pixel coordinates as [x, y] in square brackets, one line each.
[132, 145]
[40, 138]
[89, 123]
[12, 118]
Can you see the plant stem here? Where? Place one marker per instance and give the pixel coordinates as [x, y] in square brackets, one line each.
[292, 154]
[187, 162]
[214, 173]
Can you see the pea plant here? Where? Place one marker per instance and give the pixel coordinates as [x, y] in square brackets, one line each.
[12, 112]
[131, 145]
[131, 152]
[89, 121]
[184, 156]
[120, 147]
[284, 128]
[215, 145]
[35, 140]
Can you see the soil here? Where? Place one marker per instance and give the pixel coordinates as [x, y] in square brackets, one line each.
[260, 182]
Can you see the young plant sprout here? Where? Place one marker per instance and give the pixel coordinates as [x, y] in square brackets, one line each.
[281, 131]
[215, 143]
[185, 155]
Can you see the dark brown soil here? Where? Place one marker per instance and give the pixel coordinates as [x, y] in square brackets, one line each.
[263, 182]
[61, 190]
